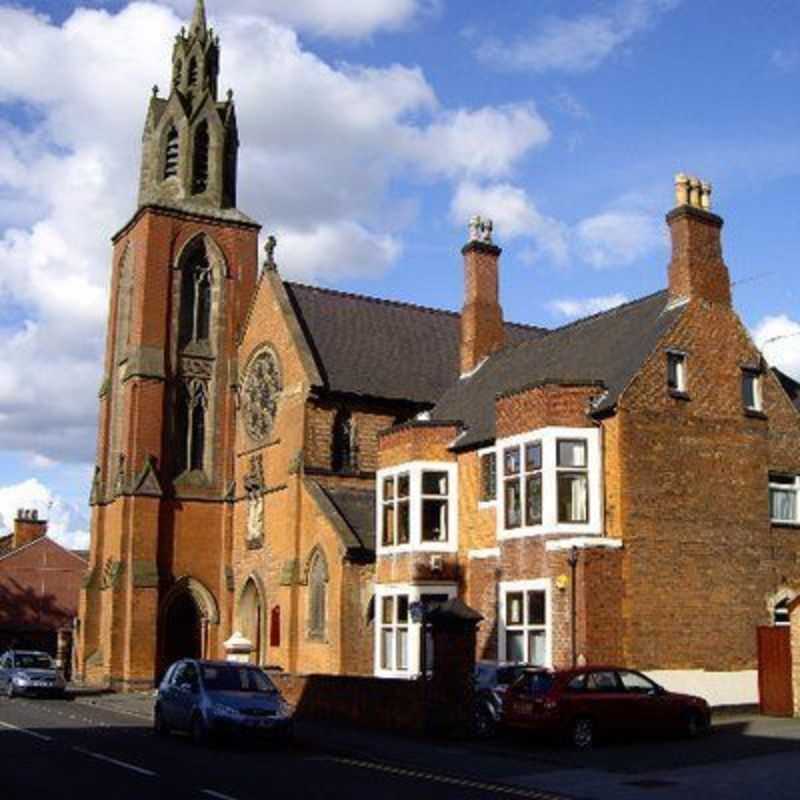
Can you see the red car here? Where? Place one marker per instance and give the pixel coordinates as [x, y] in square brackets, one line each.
[588, 702]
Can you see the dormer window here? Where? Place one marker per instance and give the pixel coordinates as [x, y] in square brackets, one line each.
[677, 382]
[752, 397]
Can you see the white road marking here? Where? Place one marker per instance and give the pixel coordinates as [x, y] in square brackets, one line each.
[26, 731]
[123, 764]
[466, 783]
[218, 795]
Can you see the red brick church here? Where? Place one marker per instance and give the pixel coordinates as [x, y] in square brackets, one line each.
[300, 465]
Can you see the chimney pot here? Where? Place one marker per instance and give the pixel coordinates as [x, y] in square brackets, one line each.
[681, 189]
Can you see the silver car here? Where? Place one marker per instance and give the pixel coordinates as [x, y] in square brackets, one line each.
[27, 672]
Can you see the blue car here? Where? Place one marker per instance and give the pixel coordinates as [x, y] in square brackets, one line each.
[214, 700]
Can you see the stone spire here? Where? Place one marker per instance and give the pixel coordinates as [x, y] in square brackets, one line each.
[199, 24]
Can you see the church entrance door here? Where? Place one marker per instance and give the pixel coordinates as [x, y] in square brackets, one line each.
[183, 631]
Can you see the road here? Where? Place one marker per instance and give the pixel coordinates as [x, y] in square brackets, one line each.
[72, 750]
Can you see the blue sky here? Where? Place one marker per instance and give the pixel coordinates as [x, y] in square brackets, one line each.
[370, 134]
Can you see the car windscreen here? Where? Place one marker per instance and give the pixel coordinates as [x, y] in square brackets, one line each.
[33, 661]
[236, 679]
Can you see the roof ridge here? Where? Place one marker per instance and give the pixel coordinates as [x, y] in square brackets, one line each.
[607, 313]
[397, 303]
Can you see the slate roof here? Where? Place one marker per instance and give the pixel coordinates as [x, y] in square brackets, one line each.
[608, 348]
[356, 509]
[381, 348]
[791, 386]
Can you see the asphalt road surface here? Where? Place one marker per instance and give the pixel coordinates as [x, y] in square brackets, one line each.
[61, 749]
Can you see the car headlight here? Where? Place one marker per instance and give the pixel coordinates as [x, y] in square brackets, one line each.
[22, 679]
[225, 711]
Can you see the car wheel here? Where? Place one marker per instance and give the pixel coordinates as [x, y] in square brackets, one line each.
[159, 725]
[694, 725]
[483, 723]
[199, 731]
[582, 733]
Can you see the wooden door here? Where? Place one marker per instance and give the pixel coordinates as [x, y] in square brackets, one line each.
[775, 671]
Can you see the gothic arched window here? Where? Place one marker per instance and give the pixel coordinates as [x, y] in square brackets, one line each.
[190, 427]
[230, 168]
[200, 171]
[178, 73]
[193, 72]
[196, 304]
[344, 445]
[317, 596]
[171, 154]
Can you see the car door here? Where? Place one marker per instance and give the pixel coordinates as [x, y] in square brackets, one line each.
[166, 695]
[648, 704]
[604, 700]
[187, 689]
[518, 703]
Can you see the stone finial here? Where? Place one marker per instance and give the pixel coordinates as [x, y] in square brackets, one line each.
[230, 95]
[691, 191]
[269, 251]
[480, 230]
[155, 90]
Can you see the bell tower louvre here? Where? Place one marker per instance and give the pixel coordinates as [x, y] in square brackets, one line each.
[184, 271]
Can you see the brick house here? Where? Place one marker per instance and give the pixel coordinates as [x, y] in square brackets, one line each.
[300, 465]
[40, 583]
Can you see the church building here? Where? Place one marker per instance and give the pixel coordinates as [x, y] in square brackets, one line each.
[301, 466]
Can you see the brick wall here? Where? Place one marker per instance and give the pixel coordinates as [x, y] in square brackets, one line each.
[542, 406]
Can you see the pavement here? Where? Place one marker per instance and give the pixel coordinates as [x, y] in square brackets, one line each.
[745, 756]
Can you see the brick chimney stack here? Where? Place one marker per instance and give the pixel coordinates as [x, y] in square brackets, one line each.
[697, 270]
[28, 528]
[482, 331]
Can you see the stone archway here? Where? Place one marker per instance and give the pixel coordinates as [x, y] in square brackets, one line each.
[251, 616]
[186, 612]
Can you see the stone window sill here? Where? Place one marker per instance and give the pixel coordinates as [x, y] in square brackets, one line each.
[754, 413]
[786, 525]
[678, 395]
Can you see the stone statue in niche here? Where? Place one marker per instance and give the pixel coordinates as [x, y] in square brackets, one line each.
[254, 487]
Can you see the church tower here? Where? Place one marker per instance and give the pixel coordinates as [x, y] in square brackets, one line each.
[183, 275]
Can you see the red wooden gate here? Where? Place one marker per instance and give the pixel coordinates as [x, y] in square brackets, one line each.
[775, 671]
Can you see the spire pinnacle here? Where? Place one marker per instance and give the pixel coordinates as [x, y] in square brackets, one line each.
[199, 24]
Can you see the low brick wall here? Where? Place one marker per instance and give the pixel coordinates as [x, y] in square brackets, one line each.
[368, 702]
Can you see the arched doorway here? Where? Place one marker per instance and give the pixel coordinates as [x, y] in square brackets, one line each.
[186, 613]
[183, 635]
[252, 617]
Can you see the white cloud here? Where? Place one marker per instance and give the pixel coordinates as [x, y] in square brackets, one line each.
[322, 146]
[515, 215]
[572, 308]
[778, 338]
[617, 238]
[348, 20]
[576, 44]
[66, 522]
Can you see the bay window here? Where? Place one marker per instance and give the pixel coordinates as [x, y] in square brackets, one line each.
[418, 507]
[784, 499]
[398, 639]
[552, 483]
[525, 628]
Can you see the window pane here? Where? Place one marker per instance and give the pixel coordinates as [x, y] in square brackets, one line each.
[572, 454]
[515, 646]
[514, 601]
[533, 499]
[536, 608]
[403, 482]
[783, 505]
[573, 497]
[402, 648]
[536, 648]
[388, 488]
[511, 461]
[403, 522]
[513, 502]
[388, 525]
[434, 520]
[749, 390]
[402, 608]
[676, 372]
[488, 478]
[387, 648]
[533, 456]
[434, 483]
[387, 613]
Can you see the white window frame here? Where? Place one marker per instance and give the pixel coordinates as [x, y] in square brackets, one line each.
[549, 438]
[758, 390]
[415, 543]
[536, 585]
[786, 488]
[482, 504]
[414, 592]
